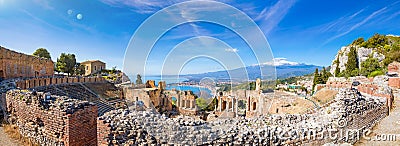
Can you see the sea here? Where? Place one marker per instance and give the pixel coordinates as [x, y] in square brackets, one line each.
[199, 91]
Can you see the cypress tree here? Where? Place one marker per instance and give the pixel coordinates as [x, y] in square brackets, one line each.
[352, 62]
[337, 69]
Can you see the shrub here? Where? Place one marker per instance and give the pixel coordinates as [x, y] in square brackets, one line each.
[376, 73]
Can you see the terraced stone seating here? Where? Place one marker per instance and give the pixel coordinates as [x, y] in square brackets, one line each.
[76, 91]
[103, 107]
[52, 89]
[81, 92]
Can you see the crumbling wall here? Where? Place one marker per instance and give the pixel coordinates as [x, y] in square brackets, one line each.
[394, 67]
[162, 99]
[55, 121]
[394, 82]
[14, 65]
[37, 82]
[347, 119]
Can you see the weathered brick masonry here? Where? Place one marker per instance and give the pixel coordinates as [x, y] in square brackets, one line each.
[14, 65]
[58, 120]
[37, 82]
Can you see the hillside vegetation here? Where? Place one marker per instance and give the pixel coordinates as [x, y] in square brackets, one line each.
[367, 57]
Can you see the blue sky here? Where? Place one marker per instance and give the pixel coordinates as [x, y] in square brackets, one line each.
[305, 31]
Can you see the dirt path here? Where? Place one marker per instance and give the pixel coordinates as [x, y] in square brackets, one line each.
[388, 130]
[5, 140]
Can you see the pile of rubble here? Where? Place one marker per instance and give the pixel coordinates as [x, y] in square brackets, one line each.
[52, 120]
[147, 127]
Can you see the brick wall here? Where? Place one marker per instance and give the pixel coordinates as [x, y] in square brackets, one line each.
[82, 127]
[63, 121]
[37, 82]
[338, 84]
[14, 65]
[103, 133]
[394, 67]
[394, 82]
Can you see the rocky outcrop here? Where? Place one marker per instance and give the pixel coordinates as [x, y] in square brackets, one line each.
[362, 54]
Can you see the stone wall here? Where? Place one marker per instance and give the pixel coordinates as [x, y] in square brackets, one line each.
[185, 101]
[254, 102]
[394, 68]
[370, 89]
[339, 84]
[37, 82]
[394, 82]
[53, 120]
[15, 65]
[162, 99]
[349, 117]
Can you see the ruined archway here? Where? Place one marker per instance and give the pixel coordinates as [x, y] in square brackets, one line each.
[242, 104]
[223, 105]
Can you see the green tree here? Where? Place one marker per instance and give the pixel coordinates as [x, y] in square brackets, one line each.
[376, 41]
[201, 103]
[358, 41]
[325, 75]
[79, 69]
[66, 63]
[139, 79]
[252, 86]
[317, 78]
[337, 69]
[393, 55]
[352, 63]
[113, 70]
[370, 65]
[42, 52]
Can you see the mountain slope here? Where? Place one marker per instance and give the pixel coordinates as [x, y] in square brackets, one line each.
[284, 69]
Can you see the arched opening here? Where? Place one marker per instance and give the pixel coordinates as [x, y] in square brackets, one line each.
[173, 99]
[242, 105]
[223, 105]
[254, 106]
[187, 104]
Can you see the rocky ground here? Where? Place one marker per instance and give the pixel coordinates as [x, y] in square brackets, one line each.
[388, 126]
[147, 127]
[6, 140]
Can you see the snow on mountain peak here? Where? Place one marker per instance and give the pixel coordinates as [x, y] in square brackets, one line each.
[280, 62]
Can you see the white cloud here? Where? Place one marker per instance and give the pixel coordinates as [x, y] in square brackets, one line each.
[355, 26]
[270, 17]
[280, 62]
[234, 50]
[141, 6]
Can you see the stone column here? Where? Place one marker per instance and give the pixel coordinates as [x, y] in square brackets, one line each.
[177, 102]
[220, 104]
[236, 109]
[233, 105]
[190, 103]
